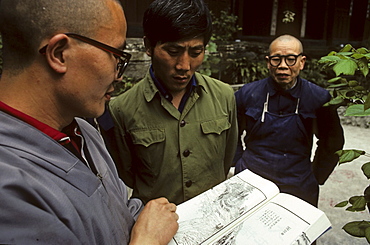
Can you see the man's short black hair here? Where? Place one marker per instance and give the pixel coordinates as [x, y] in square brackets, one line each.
[174, 20]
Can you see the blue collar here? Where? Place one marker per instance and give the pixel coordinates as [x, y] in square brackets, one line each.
[167, 95]
[274, 88]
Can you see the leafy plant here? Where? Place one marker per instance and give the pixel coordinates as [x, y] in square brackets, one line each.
[245, 70]
[350, 69]
[350, 84]
[125, 84]
[224, 26]
[224, 29]
[312, 72]
[357, 203]
[211, 59]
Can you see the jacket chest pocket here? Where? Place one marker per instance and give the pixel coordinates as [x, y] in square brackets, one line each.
[214, 138]
[149, 147]
[216, 126]
[147, 137]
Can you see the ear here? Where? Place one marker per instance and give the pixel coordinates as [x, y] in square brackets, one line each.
[267, 61]
[148, 46]
[302, 62]
[55, 53]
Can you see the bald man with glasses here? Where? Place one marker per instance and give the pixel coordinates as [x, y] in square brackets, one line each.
[279, 116]
[58, 183]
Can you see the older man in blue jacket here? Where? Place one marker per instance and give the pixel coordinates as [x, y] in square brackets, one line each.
[280, 114]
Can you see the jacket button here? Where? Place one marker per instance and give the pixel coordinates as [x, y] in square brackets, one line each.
[182, 123]
[188, 183]
[186, 153]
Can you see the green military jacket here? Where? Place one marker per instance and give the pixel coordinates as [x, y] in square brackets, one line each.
[165, 153]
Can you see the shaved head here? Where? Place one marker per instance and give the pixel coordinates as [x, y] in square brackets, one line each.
[287, 38]
[25, 23]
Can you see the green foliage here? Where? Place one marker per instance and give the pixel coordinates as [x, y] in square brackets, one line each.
[341, 204]
[348, 155]
[356, 203]
[245, 70]
[366, 169]
[312, 72]
[224, 26]
[357, 110]
[348, 71]
[224, 29]
[211, 59]
[358, 229]
[125, 84]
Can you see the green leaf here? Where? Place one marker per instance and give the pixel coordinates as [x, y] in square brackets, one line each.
[353, 199]
[216, 60]
[367, 103]
[346, 48]
[367, 234]
[336, 101]
[367, 192]
[341, 204]
[363, 66]
[345, 53]
[364, 224]
[348, 155]
[342, 92]
[345, 67]
[359, 88]
[337, 85]
[356, 228]
[329, 59]
[358, 56]
[366, 169]
[353, 83]
[212, 47]
[334, 79]
[362, 50]
[351, 209]
[357, 110]
[359, 203]
[350, 94]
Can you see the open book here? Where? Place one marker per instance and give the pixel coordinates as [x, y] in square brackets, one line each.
[248, 209]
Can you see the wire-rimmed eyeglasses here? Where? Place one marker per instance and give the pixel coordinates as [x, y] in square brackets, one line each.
[290, 60]
[123, 57]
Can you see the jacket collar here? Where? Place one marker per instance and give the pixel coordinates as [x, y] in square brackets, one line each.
[150, 89]
[273, 88]
[28, 143]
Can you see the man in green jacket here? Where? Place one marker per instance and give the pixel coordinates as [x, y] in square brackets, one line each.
[176, 129]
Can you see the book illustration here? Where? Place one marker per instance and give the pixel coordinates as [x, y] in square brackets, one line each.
[282, 226]
[248, 209]
[218, 209]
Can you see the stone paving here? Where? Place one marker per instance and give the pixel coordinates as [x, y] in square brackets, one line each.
[347, 180]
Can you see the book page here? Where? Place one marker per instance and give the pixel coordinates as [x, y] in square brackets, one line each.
[217, 210]
[284, 220]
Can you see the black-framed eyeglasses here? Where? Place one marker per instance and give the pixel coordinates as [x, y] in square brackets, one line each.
[123, 57]
[290, 60]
